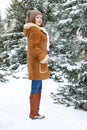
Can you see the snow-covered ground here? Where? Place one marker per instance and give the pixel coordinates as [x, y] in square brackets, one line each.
[14, 109]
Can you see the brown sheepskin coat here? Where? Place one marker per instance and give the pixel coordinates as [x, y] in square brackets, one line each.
[36, 52]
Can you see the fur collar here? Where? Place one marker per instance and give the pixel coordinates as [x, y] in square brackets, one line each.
[29, 25]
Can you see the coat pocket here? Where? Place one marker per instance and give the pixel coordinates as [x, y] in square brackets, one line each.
[43, 68]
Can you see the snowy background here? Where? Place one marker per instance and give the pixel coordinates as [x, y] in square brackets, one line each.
[64, 96]
[14, 108]
[3, 5]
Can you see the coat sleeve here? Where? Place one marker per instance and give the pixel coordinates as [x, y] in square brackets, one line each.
[35, 39]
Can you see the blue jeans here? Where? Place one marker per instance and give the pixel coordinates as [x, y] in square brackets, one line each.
[36, 86]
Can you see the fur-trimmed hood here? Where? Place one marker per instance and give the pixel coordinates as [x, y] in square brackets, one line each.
[30, 25]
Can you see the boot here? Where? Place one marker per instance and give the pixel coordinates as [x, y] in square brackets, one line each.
[34, 106]
[39, 98]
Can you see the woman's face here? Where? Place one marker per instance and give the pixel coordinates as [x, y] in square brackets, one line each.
[38, 19]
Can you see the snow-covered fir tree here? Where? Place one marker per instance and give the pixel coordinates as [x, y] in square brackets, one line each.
[1, 25]
[70, 54]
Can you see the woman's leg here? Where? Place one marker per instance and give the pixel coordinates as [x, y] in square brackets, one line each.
[36, 86]
[35, 97]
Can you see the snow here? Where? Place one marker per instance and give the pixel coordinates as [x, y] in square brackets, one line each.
[3, 6]
[63, 22]
[70, 67]
[75, 11]
[69, 2]
[56, 12]
[14, 108]
[80, 37]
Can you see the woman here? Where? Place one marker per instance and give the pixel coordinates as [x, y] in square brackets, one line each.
[37, 58]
